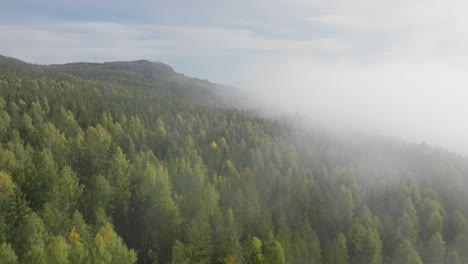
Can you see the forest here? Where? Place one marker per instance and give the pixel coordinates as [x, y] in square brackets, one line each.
[131, 162]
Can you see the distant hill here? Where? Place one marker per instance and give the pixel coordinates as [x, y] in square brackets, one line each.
[153, 77]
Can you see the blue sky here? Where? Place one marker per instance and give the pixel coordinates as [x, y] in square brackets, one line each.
[392, 67]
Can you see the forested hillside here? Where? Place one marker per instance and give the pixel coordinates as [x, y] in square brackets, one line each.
[130, 162]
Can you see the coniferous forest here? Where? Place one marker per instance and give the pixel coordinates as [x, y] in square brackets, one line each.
[131, 162]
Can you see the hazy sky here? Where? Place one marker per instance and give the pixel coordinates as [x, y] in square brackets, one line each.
[393, 67]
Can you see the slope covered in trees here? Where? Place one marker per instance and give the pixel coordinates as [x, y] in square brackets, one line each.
[131, 162]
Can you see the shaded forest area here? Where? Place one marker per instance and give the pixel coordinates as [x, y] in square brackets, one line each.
[130, 162]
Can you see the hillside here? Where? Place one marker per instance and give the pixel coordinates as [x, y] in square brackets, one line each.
[126, 162]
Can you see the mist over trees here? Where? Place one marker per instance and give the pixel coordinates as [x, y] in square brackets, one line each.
[131, 162]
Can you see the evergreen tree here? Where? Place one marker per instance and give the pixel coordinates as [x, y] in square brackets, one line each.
[338, 251]
[406, 254]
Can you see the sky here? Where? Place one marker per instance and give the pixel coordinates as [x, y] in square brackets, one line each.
[391, 67]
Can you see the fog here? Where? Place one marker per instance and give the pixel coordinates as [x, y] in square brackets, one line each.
[416, 102]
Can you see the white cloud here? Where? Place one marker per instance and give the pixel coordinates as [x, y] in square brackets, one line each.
[338, 20]
[56, 41]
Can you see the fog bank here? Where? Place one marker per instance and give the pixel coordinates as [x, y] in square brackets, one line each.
[413, 101]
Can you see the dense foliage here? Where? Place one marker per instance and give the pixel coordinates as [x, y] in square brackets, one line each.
[131, 162]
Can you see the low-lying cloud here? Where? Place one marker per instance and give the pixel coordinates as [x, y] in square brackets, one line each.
[417, 102]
